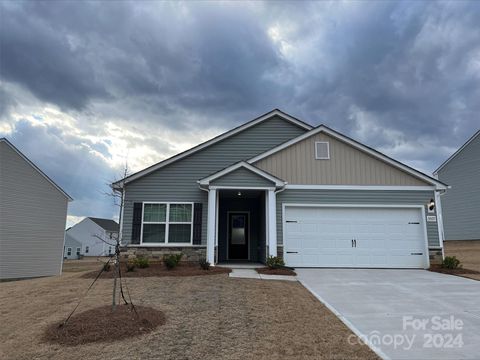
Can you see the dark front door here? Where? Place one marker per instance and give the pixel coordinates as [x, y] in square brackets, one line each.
[238, 236]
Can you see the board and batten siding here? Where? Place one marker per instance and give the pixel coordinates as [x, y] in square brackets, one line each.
[358, 197]
[178, 180]
[33, 214]
[347, 165]
[242, 177]
[461, 203]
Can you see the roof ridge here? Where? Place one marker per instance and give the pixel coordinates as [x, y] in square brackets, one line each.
[458, 151]
[220, 137]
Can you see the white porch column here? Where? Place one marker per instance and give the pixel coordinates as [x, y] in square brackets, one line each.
[212, 204]
[272, 223]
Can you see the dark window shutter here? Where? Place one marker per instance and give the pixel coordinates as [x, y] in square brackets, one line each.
[137, 222]
[197, 224]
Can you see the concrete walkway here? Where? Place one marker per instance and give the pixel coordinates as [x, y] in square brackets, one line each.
[252, 274]
[403, 314]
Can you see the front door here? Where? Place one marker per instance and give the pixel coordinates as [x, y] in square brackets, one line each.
[238, 236]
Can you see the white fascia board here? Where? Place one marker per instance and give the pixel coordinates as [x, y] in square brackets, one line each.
[435, 173]
[216, 139]
[259, 172]
[358, 187]
[322, 128]
[69, 198]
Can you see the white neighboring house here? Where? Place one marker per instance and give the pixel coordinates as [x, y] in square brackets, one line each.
[96, 236]
[73, 248]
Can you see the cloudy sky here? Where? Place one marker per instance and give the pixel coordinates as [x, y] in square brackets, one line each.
[88, 86]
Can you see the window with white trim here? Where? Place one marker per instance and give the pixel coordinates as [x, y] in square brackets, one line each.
[69, 251]
[78, 251]
[86, 249]
[322, 150]
[167, 223]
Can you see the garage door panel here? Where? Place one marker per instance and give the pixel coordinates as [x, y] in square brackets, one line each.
[385, 237]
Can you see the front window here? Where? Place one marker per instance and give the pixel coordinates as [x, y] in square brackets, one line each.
[86, 249]
[69, 251]
[167, 223]
[78, 251]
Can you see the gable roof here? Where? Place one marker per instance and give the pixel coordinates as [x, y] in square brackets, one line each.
[376, 154]
[242, 164]
[225, 135]
[473, 137]
[36, 168]
[106, 224]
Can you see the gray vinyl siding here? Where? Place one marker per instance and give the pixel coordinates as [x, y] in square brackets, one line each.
[397, 197]
[242, 177]
[461, 203]
[32, 219]
[178, 181]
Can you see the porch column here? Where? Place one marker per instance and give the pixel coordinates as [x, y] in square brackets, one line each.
[272, 223]
[212, 204]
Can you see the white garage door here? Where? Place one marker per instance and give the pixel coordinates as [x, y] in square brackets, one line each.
[354, 237]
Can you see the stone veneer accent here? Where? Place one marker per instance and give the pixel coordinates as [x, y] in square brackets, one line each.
[436, 256]
[190, 253]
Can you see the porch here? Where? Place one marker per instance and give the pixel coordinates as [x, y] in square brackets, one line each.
[241, 226]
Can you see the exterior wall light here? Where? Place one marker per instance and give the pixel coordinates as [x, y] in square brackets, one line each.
[431, 206]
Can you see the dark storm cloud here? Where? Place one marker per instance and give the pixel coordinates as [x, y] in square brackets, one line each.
[403, 77]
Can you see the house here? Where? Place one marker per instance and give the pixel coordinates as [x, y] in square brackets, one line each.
[96, 236]
[73, 248]
[461, 204]
[277, 186]
[33, 213]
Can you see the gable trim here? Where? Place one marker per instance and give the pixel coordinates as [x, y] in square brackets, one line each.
[225, 135]
[359, 187]
[473, 137]
[242, 164]
[69, 198]
[376, 154]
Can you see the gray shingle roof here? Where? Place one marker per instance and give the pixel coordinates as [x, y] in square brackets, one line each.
[106, 224]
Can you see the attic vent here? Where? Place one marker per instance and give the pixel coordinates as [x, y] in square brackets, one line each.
[322, 150]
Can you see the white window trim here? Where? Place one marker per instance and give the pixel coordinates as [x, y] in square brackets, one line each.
[328, 150]
[69, 251]
[167, 223]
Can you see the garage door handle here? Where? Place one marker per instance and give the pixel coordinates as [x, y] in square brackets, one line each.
[416, 253]
[292, 252]
[292, 221]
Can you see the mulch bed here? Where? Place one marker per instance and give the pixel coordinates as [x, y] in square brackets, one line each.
[159, 269]
[279, 271]
[102, 325]
[460, 271]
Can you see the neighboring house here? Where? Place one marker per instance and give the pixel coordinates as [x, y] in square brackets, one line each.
[33, 213]
[72, 248]
[278, 186]
[461, 204]
[97, 236]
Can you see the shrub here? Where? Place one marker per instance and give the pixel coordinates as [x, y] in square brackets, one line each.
[204, 264]
[142, 262]
[451, 262]
[171, 260]
[130, 265]
[274, 262]
[106, 267]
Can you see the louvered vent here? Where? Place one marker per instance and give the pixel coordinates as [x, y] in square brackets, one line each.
[322, 150]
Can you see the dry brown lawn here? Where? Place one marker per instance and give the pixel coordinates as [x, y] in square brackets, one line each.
[87, 263]
[207, 317]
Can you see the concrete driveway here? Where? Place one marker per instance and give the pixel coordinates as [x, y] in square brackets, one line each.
[403, 314]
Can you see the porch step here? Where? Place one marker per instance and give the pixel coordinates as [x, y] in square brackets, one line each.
[252, 274]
